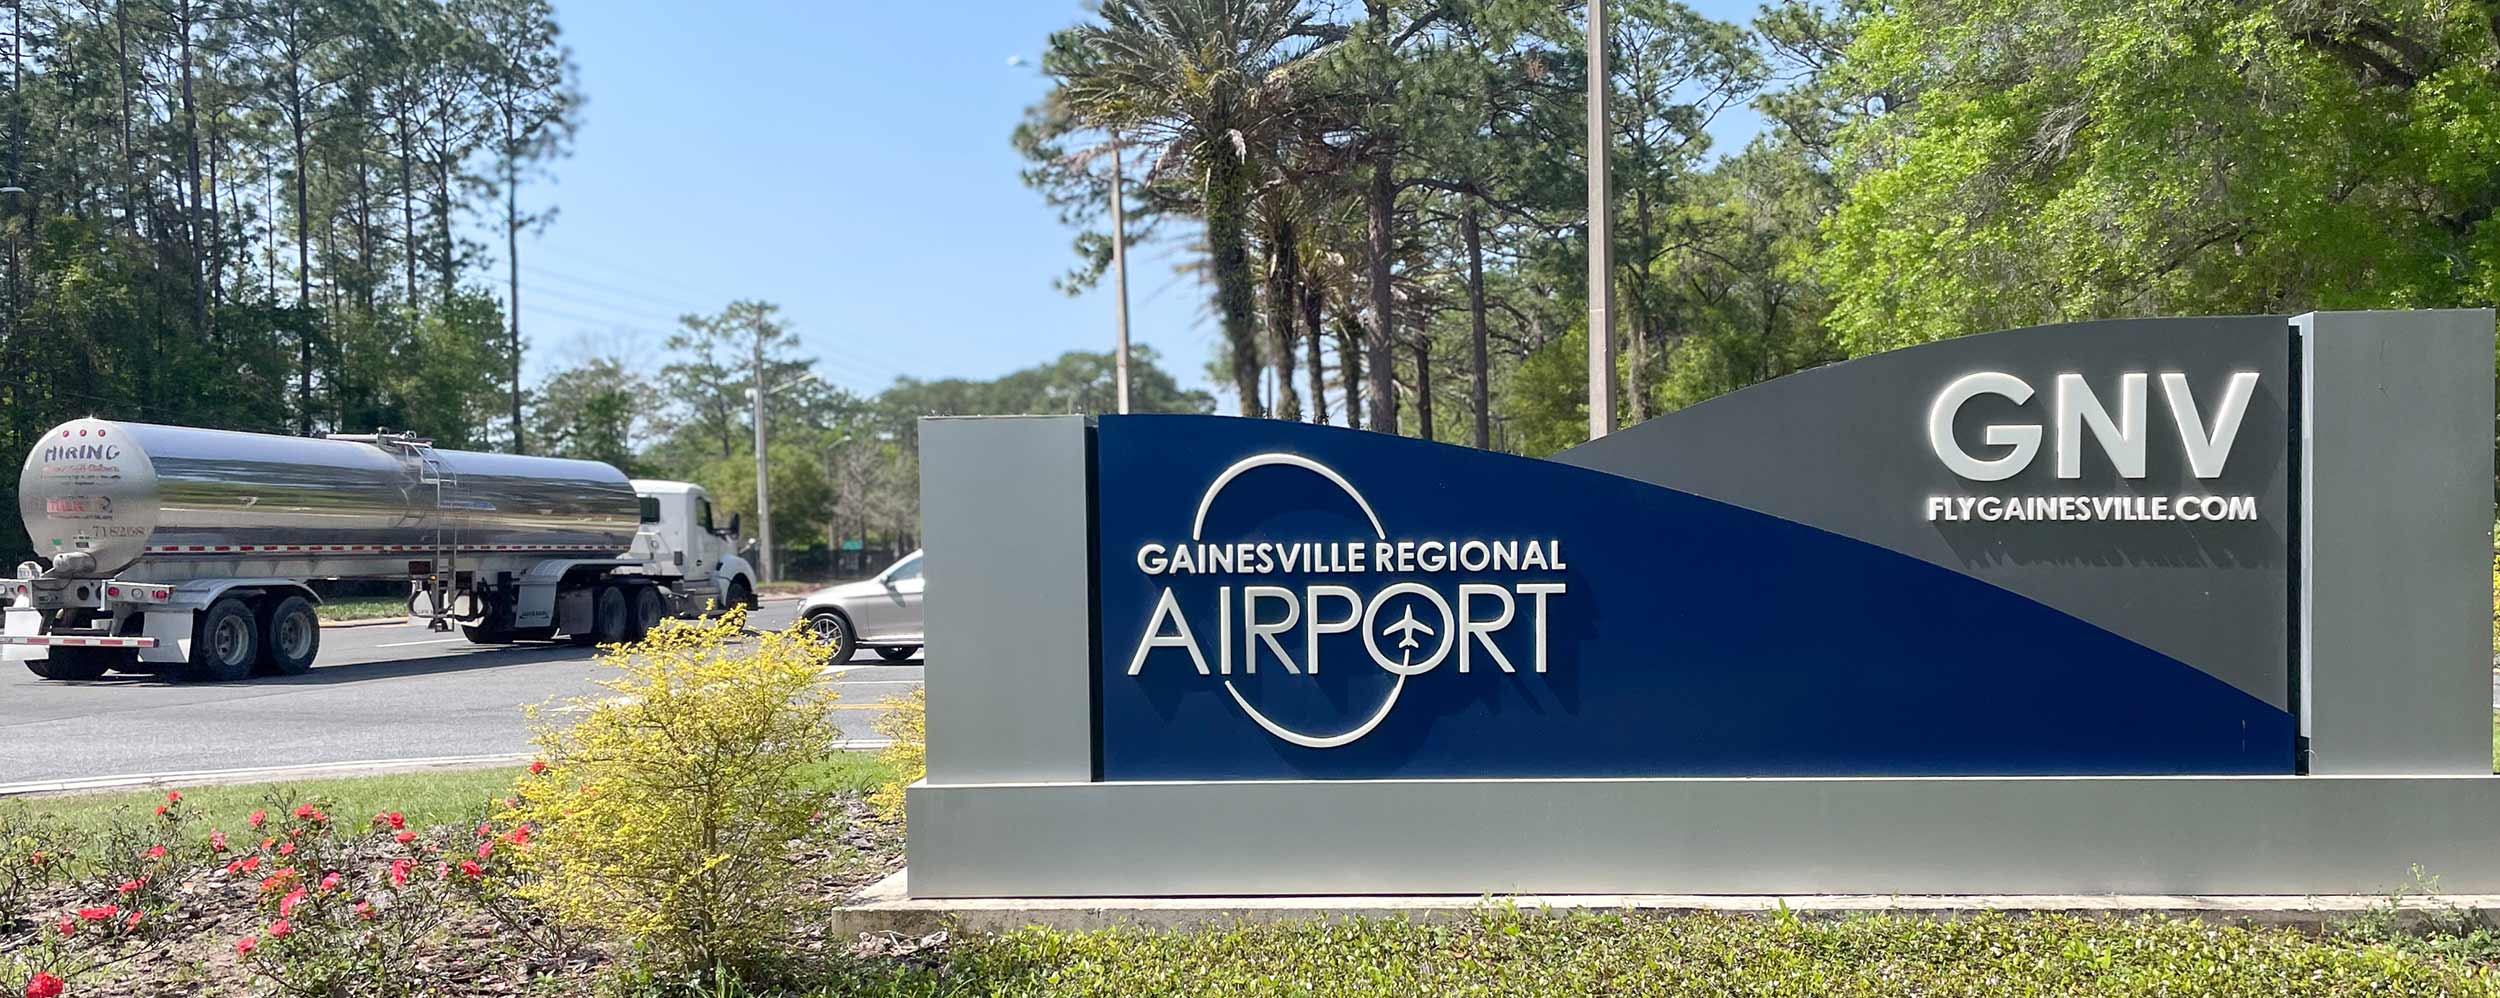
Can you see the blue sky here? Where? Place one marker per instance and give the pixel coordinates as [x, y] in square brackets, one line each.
[849, 161]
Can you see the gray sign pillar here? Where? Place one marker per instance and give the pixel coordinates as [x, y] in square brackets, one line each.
[1010, 625]
[2395, 521]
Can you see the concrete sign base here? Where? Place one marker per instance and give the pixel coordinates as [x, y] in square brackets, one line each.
[1955, 835]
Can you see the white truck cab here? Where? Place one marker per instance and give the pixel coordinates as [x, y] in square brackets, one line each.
[681, 541]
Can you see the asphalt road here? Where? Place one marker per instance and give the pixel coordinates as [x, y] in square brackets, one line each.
[390, 692]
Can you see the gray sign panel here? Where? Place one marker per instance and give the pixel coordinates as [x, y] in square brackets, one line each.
[1847, 448]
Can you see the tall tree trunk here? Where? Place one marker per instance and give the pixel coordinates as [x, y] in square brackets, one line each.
[1235, 308]
[364, 238]
[1350, 337]
[1380, 341]
[216, 218]
[303, 252]
[191, 216]
[1284, 293]
[512, 261]
[408, 208]
[1423, 387]
[121, 78]
[1479, 375]
[1311, 331]
[1644, 301]
[448, 277]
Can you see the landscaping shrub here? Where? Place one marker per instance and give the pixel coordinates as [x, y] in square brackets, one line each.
[907, 722]
[664, 810]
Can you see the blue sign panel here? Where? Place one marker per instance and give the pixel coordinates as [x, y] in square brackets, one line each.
[1280, 600]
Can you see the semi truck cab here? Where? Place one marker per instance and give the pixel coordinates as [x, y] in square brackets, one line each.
[683, 541]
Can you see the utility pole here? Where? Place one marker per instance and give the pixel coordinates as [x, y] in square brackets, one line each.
[1119, 266]
[763, 469]
[1601, 236]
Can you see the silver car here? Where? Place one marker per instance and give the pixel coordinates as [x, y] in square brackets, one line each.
[882, 613]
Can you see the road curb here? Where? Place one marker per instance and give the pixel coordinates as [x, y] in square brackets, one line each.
[307, 771]
[888, 907]
[365, 622]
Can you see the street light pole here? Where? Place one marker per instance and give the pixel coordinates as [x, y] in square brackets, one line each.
[1119, 265]
[763, 473]
[1601, 236]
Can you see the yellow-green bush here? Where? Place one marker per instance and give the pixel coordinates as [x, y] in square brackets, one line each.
[666, 807]
[907, 722]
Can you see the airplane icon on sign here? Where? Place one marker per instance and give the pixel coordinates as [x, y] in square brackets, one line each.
[1406, 628]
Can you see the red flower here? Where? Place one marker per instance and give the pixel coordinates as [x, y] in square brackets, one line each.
[520, 834]
[99, 913]
[246, 945]
[538, 766]
[68, 926]
[278, 881]
[404, 838]
[286, 905]
[217, 841]
[286, 848]
[396, 820]
[329, 883]
[36, 859]
[160, 810]
[250, 863]
[280, 929]
[132, 886]
[486, 848]
[133, 921]
[258, 817]
[270, 841]
[320, 817]
[485, 831]
[172, 796]
[156, 852]
[364, 910]
[303, 810]
[44, 985]
[400, 869]
[471, 868]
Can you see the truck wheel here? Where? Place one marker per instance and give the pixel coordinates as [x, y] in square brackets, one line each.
[73, 663]
[225, 643]
[608, 612]
[290, 637]
[897, 653]
[649, 610]
[740, 594]
[831, 627]
[483, 635]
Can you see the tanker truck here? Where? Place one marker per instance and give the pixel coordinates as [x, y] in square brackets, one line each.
[190, 552]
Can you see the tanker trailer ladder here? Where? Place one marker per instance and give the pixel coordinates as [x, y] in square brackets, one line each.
[445, 565]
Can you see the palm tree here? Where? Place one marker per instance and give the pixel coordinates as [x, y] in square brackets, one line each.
[1210, 82]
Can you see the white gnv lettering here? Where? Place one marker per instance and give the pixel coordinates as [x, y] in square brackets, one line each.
[2078, 410]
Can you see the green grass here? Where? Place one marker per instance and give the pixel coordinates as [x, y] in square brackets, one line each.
[1502, 952]
[425, 798]
[364, 608]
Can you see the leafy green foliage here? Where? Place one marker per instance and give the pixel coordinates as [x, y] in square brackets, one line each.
[2070, 159]
[665, 809]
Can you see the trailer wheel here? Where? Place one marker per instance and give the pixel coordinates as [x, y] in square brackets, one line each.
[648, 612]
[481, 634]
[73, 664]
[290, 637]
[225, 643]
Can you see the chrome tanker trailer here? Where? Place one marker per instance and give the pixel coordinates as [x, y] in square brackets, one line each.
[189, 551]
